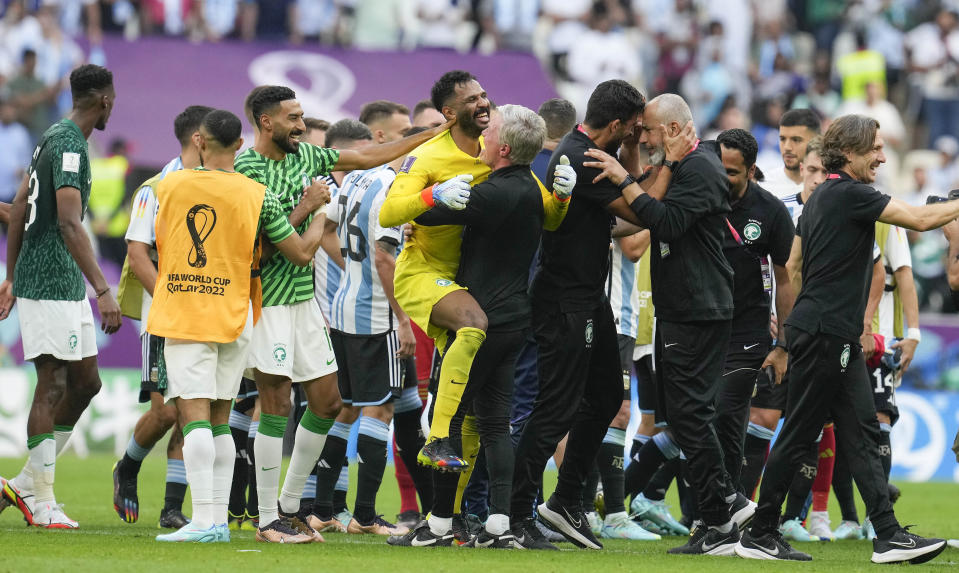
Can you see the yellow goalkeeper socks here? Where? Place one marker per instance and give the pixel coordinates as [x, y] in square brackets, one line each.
[454, 374]
[471, 448]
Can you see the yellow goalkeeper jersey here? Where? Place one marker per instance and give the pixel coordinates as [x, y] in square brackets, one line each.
[438, 160]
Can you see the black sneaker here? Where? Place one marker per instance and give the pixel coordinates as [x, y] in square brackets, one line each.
[293, 521]
[409, 519]
[742, 510]
[439, 454]
[906, 546]
[571, 522]
[172, 519]
[709, 541]
[421, 536]
[487, 539]
[461, 529]
[528, 536]
[125, 501]
[771, 546]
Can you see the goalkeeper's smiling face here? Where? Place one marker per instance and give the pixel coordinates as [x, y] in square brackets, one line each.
[472, 108]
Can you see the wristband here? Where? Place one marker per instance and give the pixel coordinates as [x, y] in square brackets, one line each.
[914, 334]
[626, 182]
[427, 195]
[103, 292]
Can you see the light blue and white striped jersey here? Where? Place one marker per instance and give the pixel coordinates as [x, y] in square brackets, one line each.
[142, 226]
[360, 306]
[794, 205]
[326, 274]
[622, 292]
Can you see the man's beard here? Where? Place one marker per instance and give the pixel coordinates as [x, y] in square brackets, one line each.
[657, 156]
[283, 142]
[467, 124]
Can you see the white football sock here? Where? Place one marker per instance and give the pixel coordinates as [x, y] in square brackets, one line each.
[268, 453]
[42, 461]
[307, 447]
[222, 476]
[198, 458]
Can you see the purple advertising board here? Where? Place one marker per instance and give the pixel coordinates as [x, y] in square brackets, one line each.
[156, 78]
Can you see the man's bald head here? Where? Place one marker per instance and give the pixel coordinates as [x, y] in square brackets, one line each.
[670, 111]
[667, 109]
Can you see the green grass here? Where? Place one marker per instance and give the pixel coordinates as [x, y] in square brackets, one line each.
[104, 543]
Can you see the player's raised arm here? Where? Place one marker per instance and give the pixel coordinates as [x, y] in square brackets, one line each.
[919, 218]
[556, 203]
[376, 155]
[408, 199]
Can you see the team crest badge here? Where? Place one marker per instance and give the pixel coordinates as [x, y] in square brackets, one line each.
[73, 341]
[844, 357]
[752, 231]
[589, 331]
[443, 282]
[279, 353]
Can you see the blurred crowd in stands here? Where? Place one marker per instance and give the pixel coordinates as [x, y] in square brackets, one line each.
[740, 63]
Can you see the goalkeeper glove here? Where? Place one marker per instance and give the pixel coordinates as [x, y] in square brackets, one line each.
[454, 193]
[564, 179]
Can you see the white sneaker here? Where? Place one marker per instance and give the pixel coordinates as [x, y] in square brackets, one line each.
[793, 531]
[868, 531]
[18, 496]
[818, 524]
[620, 526]
[848, 530]
[595, 523]
[49, 515]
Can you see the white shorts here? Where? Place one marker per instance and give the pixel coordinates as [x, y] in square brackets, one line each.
[63, 329]
[210, 370]
[292, 340]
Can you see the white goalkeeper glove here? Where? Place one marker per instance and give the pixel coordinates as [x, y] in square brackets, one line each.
[564, 179]
[454, 193]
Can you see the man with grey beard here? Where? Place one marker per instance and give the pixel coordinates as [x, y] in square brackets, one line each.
[692, 292]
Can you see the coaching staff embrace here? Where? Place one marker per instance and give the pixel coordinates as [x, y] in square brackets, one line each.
[692, 290]
[838, 232]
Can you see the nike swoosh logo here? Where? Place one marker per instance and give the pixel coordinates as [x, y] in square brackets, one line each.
[749, 347]
[577, 523]
[669, 345]
[773, 551]
[707, 547]
[263, 469]
[48, 465]
[910, 545]
[331, 361]
[417, 543]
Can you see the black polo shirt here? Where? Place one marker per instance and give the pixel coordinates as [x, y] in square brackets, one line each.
[764, 236]
[504, 221]
[574, 259]
[838, 235]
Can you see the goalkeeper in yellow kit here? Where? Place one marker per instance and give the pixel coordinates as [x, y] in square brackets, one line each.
[440, 171]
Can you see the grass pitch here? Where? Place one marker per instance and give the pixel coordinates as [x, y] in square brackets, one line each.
[104, 543]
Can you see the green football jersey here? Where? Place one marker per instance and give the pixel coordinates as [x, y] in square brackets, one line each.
[45, 270]
[284, 282]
